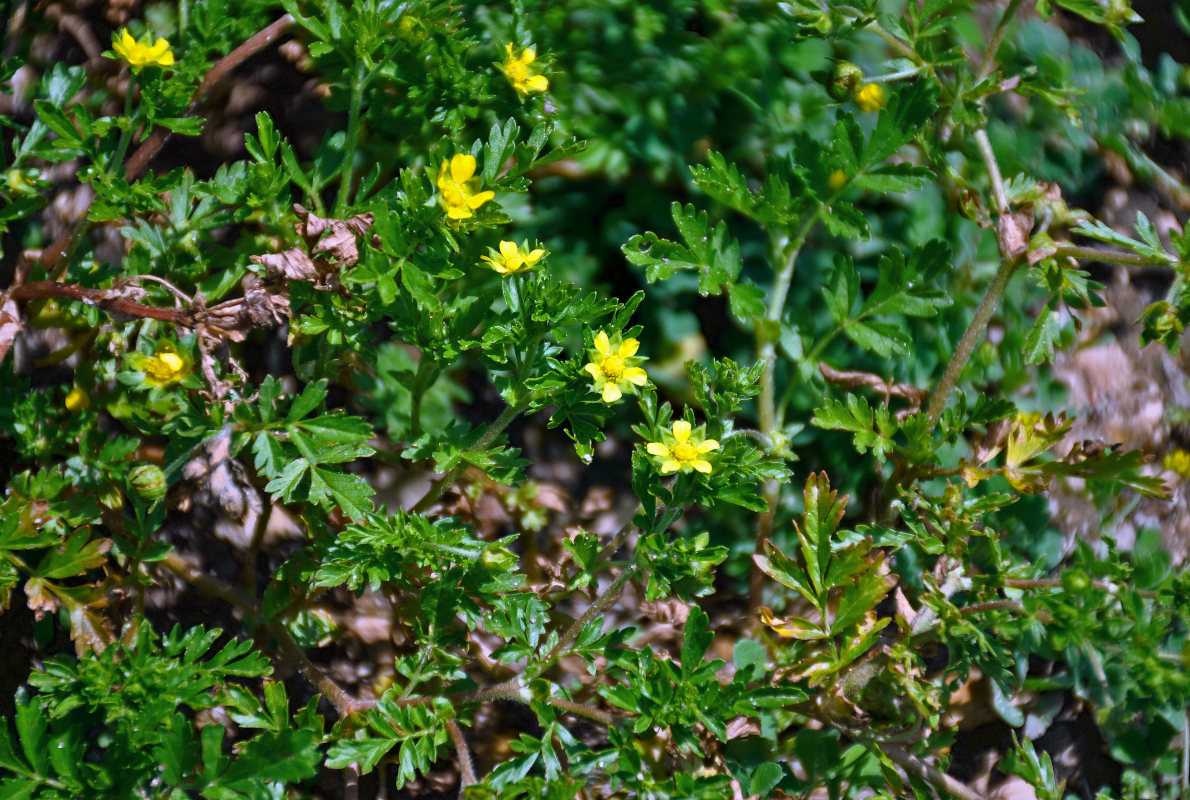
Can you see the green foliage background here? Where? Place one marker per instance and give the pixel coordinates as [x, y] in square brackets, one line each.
[227, 335]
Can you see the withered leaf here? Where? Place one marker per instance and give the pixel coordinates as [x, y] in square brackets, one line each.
[10, 325]
[293, 264]
[339, 239]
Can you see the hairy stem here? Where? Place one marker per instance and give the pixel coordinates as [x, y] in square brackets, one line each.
[439, 487]
[928, 773]
[358, 81]
[597, 607]
[989, 57]
[343, 701]
[466, 765]
[1009, 262]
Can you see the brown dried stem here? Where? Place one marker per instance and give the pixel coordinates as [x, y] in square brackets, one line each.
[138, 162]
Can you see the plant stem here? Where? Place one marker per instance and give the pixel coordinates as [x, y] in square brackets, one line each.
[987, 308]
[126, 134]
[971, 337]
[1112, 256]
[592, 713]
[597, 607]
[770, 417]
[440, 486]
[466, 766]
[343, 701]
[358, 81]
[989, 58]
[928, 773]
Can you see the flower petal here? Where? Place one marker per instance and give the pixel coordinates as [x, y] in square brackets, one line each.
[657, 449]
[681, 430]
[628, 348]
[670, 466]
[459, 212]
[538, 83]
[528, 55]
[611, 393]
[601, 343]
[707, 446]
[594, 370]
[509, 251]
[702, 466]
[508, 51]
[477, 200]
[462, 167]
[534, 256]
[636, 375]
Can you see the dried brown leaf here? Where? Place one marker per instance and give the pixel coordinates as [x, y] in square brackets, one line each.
[10, 325]
[293, 264]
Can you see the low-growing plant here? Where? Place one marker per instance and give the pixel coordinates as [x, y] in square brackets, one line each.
[292, 420]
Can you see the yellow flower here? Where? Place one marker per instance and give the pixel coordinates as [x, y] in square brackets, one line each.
[1177, 461]
[871, 97]
[683, 450]
[516, 69]
[77, 400]
[837, 180]
[512, 259]
[142, 54]
[459, 187]
[614, 367]
[163, 367]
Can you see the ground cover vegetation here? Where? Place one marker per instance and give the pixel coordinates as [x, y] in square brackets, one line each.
[594, 398]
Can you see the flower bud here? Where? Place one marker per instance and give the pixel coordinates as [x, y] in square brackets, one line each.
[845, 80]
[77, 400]
[148, 481]
[498, 557]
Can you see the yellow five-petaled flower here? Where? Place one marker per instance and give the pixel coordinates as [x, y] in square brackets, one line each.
[163, 367]
[614, 366]
[683, 449]
[512, 259]
[870, 97]
[142, 53]
[519, 73]
[459, 188]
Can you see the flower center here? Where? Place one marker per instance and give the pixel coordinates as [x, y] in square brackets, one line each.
[684, 452]
[165, 366]
[454, 194]
[517, 70]
[612, 367]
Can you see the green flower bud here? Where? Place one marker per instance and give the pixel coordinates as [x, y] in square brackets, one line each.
[845, 80]
[497, 557]
[148, 481]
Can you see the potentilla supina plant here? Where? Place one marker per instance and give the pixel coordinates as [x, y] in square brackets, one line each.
[460, 188]
[162, 368]
[511, 259]
[682, 449]
[140, 54]
[521, 73]
[615, 366]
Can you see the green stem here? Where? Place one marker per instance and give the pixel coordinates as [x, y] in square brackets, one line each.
[1112, 257]
[358, 81]
[447, 480]
[987, 307]
[126, 133]
[576, 627]
[971, 337]
[989, 59]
